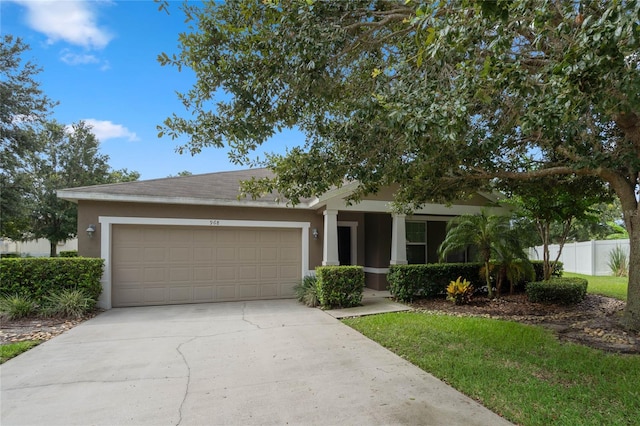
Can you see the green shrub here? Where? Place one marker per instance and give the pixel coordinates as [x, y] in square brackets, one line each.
[68, 253]
[618, 262]
[68, 303]
[564, 291]
[459, 291]
[307, 291]
[16, 306]
[408, 281]
[340, 286]
[40, 277]
[9, 255]
[538, 267]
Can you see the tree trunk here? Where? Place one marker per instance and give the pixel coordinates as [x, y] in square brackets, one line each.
[53, 248]
[487, 277]
[631, 317]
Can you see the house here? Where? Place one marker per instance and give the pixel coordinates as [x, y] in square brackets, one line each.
[190, 239]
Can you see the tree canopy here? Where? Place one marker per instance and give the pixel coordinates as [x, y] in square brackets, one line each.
[443, 98]
[23, 106]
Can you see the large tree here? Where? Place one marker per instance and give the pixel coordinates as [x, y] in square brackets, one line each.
[23, 107]
[69, 158]
[441, 97]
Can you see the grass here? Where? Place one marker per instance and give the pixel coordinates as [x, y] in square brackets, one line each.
[11, 350]
[610, 286]
[519, 371]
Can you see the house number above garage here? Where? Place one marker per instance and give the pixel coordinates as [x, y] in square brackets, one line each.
[214, 222]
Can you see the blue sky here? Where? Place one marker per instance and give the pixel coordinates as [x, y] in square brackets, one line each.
[99, 62]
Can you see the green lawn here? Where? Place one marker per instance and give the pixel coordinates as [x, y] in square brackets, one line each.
[11, 350]
[607, 286]
[520, 372]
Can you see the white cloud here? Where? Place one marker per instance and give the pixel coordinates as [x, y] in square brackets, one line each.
[70, 58]
[104, 130]
[73, 21]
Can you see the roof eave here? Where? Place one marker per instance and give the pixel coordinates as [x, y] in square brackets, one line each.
[75, 196]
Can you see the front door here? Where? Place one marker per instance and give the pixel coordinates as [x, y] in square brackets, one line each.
[344, 245]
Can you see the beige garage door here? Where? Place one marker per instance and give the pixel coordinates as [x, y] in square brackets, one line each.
[159, 265]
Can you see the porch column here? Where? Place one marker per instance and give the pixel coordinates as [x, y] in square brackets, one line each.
[398, 240]
[330, 241]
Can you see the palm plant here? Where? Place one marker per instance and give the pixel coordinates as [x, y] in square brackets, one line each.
[485, 233]
[511, 264]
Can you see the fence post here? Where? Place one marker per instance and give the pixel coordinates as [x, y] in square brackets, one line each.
[593, 257]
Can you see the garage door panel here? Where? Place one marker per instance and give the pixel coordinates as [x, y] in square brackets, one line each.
[154, 254]
[225, 254]
[290, 254]
[289, 272]
[128, 297]
[203, 274]
[268, 272]
[180, 254]
[129, 275]
[180, 295]
[154, 274]
[225, 273]
[203, 254]
[269, 290]
[248, 272]
[153, 265]
[203, 293]
[154, 295]
[180, 274]
[226, 292]
[248, 291]
[157, 234]
[268, 254]
[247, 254]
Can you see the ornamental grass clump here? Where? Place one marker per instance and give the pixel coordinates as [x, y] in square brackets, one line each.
[459, 291]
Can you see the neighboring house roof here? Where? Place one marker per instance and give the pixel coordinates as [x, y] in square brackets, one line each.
[209, 189]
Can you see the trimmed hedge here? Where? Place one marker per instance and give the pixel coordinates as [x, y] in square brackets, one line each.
[68, 253]
[39, 277]
[566, 291]
[408, 281]
[340, 286]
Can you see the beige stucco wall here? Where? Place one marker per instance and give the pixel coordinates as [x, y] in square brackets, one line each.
[88, 212]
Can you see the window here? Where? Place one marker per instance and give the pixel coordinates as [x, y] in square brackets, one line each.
[416, 234]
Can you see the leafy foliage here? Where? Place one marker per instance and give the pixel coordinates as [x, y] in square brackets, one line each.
[307, 291]
[618, 262]
[556, 201]
[558, 290]
[491, 236]
[23, 107]
[69, 303]
[340, 286]
[37, 278]
[459, 291]
[16, 306]
[429, 280]
[389, 92]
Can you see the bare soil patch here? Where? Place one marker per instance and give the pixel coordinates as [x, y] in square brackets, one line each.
[594, 322]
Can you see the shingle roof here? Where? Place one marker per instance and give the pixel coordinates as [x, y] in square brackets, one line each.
[209, 187]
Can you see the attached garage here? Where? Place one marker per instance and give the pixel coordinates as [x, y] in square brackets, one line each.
[159, 265]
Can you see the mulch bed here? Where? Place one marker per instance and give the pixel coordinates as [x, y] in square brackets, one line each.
[594, 322]
[40, 329]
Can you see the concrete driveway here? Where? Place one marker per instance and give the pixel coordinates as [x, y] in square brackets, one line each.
[266, 362]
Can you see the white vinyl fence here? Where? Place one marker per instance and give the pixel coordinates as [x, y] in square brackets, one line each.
[588, 257]
[35, 248]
